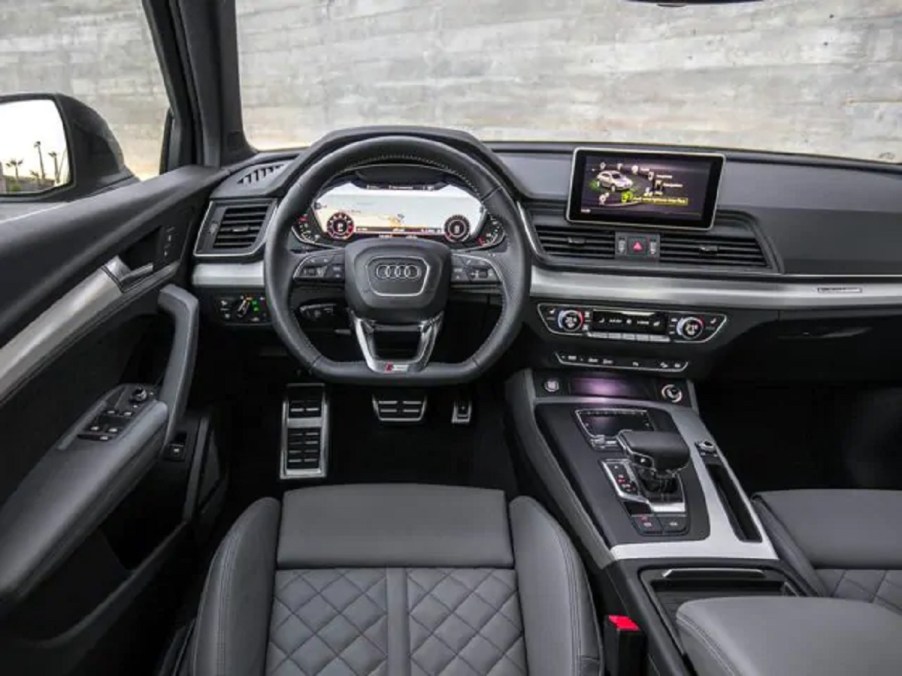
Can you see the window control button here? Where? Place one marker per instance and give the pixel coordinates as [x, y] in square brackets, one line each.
[647, 524]
[674, 523]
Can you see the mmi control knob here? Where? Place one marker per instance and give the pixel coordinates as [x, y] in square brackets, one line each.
[570, 321]
[690, 328]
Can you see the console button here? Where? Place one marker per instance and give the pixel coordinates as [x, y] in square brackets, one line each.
[690, 328]
[674, 523]
[552, 385]
[570, 320]
[647, 524]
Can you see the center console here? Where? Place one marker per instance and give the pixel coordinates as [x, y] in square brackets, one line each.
[649, 494]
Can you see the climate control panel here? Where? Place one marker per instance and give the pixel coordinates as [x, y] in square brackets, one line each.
[641, 326]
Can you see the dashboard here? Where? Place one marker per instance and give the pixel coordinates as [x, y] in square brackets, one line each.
[356, 209]
[648, 259]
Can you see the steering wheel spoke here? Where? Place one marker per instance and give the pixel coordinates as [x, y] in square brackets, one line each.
[365, 331]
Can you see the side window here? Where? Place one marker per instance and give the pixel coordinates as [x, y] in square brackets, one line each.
[82, 100]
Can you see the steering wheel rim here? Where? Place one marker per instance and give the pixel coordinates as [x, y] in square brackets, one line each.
[510, 260]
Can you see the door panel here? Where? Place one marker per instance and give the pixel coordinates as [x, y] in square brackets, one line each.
[91, 311]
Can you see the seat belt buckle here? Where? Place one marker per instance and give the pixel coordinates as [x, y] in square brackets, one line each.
[624, 646]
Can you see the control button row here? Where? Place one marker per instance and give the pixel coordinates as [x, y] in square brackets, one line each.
[116, 417]
[629, 363]
[243, 308]
[324, 267]
[651, 524]
[629, 337]
[470, 270]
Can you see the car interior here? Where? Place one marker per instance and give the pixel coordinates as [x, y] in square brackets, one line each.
[404, 401]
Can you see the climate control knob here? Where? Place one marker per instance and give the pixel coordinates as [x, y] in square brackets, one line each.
[690, 328]
[570, 321]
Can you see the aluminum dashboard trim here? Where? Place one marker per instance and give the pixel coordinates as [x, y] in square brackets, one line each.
[720, 293]
[657, 291]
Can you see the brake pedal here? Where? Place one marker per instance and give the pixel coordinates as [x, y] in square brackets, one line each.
[305, 432]
[400, 407]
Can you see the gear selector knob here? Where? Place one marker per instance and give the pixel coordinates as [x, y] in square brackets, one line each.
[660, 454]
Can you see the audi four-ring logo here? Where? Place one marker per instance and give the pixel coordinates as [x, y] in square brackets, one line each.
[398, 271]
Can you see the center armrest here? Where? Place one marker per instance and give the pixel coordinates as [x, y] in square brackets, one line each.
[752, 636]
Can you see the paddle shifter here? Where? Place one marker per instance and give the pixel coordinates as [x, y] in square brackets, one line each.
[656, 458]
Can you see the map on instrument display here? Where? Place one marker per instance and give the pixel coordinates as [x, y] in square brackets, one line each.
[644, 187]
[423, 211]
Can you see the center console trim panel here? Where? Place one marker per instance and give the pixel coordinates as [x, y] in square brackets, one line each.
[721, 542]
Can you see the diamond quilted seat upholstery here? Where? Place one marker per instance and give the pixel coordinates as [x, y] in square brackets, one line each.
[396, 580]
[845, 544]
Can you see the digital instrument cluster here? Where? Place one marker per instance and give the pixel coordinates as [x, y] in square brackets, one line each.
[352, 210]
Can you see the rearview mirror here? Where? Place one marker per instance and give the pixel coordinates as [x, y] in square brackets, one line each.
[53, 146]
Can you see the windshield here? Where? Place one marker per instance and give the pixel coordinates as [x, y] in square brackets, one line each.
[820, 76]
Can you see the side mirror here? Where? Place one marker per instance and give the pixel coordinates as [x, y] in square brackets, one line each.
[54, 147]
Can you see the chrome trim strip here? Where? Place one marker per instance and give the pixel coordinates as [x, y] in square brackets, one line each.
[687, 292]
[33, 345]
[228, 275]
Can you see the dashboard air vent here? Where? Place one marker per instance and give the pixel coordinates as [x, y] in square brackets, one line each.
[258, 173]
[239, 227]
[712, 249]
[731, 243]
[576, 241]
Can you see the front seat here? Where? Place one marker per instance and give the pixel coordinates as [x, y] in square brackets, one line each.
[395, 580]
[844, 543]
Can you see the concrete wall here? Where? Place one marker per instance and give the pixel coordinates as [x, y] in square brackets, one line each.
[802, 75]
[819, 76]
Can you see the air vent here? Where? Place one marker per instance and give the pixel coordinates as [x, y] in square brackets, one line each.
[576, 241]
[239, 226]
[712, 250]
[258, 173]
[731, 243]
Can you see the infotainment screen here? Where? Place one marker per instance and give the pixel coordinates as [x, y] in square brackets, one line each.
[638, 187]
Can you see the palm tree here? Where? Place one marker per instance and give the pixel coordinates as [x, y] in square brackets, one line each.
[37, 144]
[15, 164]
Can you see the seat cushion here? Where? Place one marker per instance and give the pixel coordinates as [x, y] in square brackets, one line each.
[402, 579]
[844, 543]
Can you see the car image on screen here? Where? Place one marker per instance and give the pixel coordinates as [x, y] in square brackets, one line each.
[614, 180]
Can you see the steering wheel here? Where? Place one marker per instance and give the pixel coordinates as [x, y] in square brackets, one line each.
[397, 284]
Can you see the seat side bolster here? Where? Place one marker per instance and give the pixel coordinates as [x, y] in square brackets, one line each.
[560, 625]
[233, 619]
[786, 547]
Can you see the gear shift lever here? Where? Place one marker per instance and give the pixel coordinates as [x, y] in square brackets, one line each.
[656, 457]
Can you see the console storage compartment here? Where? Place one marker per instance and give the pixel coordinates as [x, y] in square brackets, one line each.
[670, 588]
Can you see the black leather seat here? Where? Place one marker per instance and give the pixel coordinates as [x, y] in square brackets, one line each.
[394, 580]
[844, 543]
